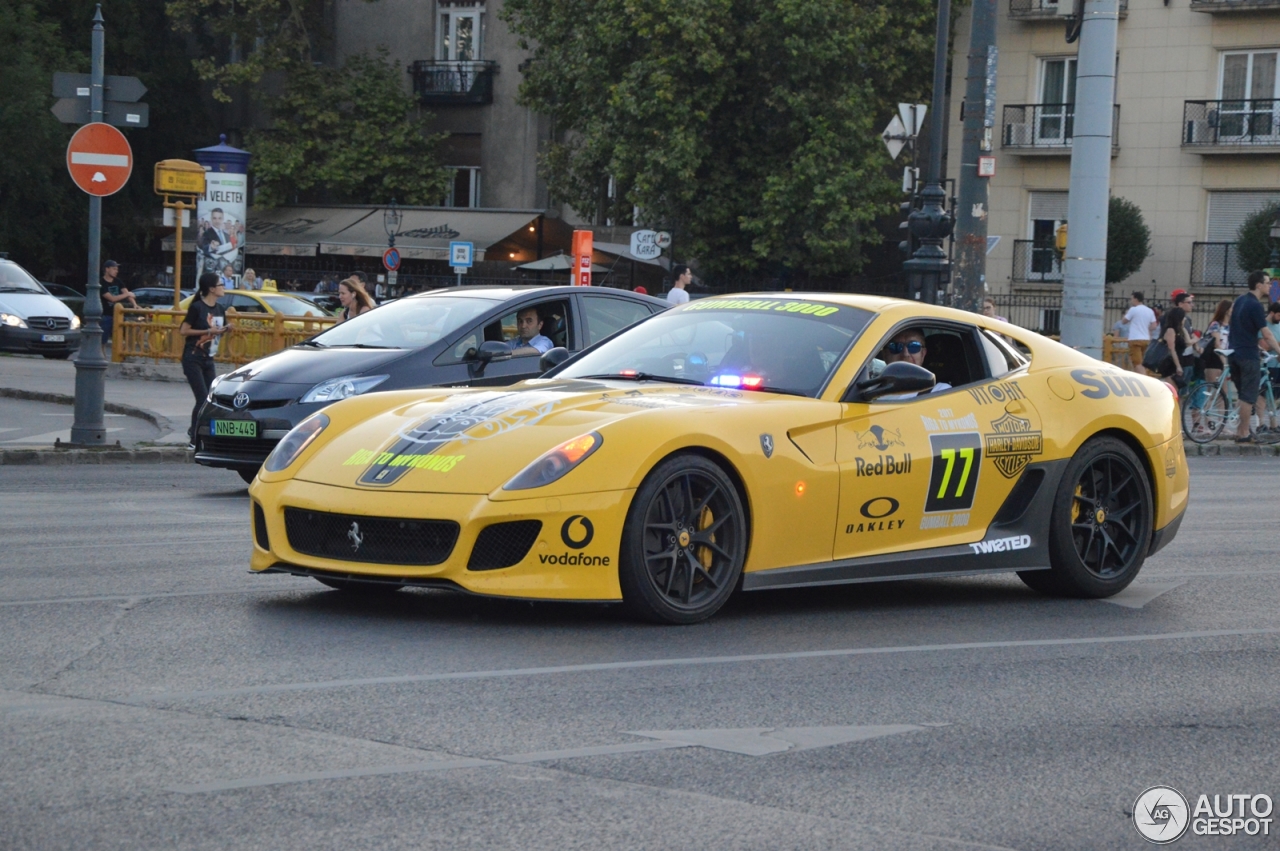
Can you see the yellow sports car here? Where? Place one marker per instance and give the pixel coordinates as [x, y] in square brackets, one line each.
[753, 442]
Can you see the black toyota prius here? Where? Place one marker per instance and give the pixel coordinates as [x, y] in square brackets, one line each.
[454, 337]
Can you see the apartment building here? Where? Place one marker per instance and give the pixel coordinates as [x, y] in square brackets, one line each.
[1196, 143]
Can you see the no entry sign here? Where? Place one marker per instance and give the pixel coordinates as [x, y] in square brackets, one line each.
[99, 159]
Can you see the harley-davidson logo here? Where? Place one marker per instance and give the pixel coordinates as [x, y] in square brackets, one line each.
[1013, 444]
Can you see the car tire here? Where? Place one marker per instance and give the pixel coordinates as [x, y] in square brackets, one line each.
[247, 475]
[1100, 528]
[684, 542]
[352, 586]
[56, 355]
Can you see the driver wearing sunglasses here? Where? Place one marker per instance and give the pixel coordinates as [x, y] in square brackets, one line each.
[909, 346]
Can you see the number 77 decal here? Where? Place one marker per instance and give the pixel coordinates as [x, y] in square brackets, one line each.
[953, 478]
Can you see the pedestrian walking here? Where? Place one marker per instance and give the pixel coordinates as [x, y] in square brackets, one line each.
[1213, 339]
[989, 309]
[355, 300]
[229, 276]
[1249, 332]
[113, 293]
[681, 277]
[205, 323]
[1173, 331]
[1141, 319]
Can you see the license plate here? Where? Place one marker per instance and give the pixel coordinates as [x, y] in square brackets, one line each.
[233, 428]
[53, 338]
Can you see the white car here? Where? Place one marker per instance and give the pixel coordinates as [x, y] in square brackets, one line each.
[31, 320]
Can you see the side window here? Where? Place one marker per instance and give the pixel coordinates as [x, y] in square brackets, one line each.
[466, 344]
[244, 304]
[528, 328]
[606, 315]
[951, 352]
[1001, 359]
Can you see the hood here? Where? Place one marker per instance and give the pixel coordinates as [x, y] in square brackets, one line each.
[309, 366]
[33, 304]
[475, 441]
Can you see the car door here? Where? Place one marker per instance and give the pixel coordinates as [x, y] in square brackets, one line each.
[932, 470]
[604, 314]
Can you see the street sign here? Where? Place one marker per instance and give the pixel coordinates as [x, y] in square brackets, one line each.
[910, 178]
[459, 270]
[391, 259]
[122, 89]
[895, 137]
[460, 254]
[986, 166]
[664, 239]
[912, 117]
[583, 246]
[644, 245]
[99, 159]
[179, 177]
[114, 112]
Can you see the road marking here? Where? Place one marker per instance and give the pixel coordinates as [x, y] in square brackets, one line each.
[1137, 596]
[120, 598]
[692, 661]
[751, 741]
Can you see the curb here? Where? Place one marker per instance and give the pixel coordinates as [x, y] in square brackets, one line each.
[1270, 450]
[51, 457]
[155, 419]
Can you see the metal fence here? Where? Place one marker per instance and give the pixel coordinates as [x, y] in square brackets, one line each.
[1232, 5]
[1046, 126]
[1216, 264]
[154, 334]
[1231, 122]
[442, 82]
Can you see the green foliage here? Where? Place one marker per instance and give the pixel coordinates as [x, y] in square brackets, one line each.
[750, 129]
[1128, 240]
[348, 134]
[1253, 240]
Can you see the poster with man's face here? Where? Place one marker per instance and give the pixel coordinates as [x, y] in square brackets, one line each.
[220, 218]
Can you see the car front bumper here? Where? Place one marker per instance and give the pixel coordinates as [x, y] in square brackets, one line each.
[32, 340]
[574, 555]
[246, 453]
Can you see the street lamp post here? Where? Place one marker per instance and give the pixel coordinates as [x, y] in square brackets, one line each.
[929, 268]
[1275, 243]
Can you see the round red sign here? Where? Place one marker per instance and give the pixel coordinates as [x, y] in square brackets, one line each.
[99, 159]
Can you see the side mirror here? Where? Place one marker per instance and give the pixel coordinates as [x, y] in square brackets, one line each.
[490, 350]
[900, 377]
[552, 358]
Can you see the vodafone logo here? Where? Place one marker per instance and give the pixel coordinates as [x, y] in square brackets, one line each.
[577, 541]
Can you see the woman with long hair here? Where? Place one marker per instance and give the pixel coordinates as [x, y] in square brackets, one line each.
[355, 300]
[1214, 338]
[205, 322]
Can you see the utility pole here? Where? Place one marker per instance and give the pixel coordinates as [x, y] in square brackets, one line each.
[979, 114]
[89, 427]
[1085, 268]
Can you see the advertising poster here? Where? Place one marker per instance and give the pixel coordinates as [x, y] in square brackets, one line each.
[220, 219]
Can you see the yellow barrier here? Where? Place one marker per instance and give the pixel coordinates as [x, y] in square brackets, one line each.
[154, 334]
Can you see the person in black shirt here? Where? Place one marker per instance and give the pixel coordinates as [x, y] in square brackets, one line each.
[1173, 332]
[205, 322]
[1249, 331]
[112, 292]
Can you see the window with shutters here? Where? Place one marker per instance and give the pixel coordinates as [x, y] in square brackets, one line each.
[1228, 210]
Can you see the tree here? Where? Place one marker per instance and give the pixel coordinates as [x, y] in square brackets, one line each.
[1253, 241]
[348, 134]
[748, 128]
[1128, 240]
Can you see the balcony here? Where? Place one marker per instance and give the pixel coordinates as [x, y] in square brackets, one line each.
[1216, 264]
[1035, 263]
[440, 83]
[1047, 10]
[1046, 129]
[1231, 126]
[1219, 7]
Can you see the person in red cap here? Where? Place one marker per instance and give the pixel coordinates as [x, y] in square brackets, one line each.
[641, 290]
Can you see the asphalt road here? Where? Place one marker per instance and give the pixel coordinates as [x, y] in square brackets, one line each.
[153, 694]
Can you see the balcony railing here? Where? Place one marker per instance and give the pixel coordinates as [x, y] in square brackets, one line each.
[1235, 123]
[1046, 127]
[1215, 6]
[1035, 263]
[1039, 10]
[1216, 264]
[439, 83]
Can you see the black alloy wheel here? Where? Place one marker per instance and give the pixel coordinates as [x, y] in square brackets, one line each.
[684, 543]
[1100, 529]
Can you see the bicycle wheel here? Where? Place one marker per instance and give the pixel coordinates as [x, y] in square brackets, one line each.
[1205, 413]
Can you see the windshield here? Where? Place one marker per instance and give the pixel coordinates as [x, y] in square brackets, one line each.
[409, 323]
[14, 278]
[784, 345]
[291, 306]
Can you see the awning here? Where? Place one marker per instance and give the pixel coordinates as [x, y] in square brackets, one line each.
[288, 231]
[425, 234]
[558, 263]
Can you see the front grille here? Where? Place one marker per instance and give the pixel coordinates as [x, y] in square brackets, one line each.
[238, 447]
[374, 540]
[260, 528]
[48, 323]
[504, 544]
[228, 401]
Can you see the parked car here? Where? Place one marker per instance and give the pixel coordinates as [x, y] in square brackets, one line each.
[71, 298]
[257, 301]
[160, 298]
[32, 320]
[451, 337]
[325, 301]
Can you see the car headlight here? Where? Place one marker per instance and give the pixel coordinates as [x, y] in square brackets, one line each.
[555, 464]
[342, 387]
[298, 439]
[12, 321]
[75, 323]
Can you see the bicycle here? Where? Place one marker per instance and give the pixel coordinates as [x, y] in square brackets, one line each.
[1208, 406]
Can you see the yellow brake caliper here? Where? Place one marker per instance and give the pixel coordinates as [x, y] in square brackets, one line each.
[705, 519]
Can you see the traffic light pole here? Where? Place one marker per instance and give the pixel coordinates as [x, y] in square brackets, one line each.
[1085, 267]
[973, 208]
[89, 428]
